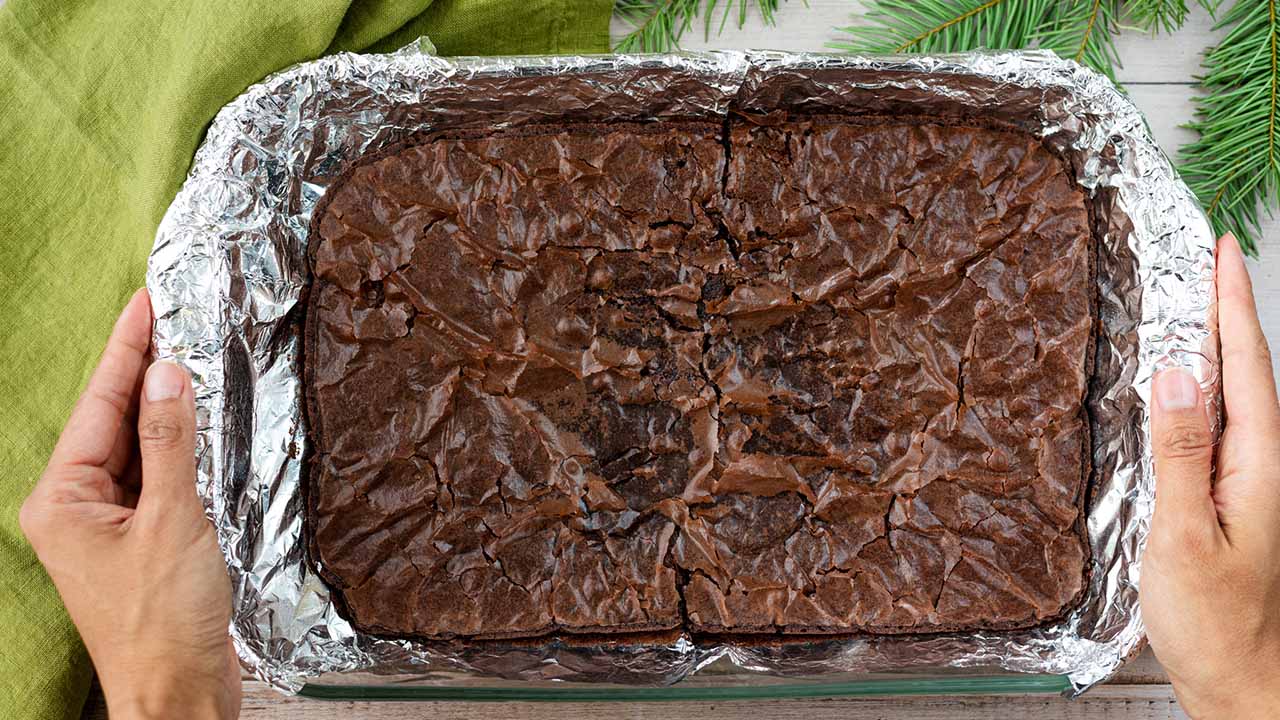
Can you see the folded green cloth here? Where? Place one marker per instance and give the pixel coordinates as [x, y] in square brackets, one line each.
[102, 103]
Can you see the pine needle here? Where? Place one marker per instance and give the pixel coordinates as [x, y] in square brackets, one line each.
[1234, 166]
[946, 25]
[1163, 16]
[1084, 31]
[658, 25]
[1158, 15]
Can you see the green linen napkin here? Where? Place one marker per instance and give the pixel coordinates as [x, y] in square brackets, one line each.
[102, 104]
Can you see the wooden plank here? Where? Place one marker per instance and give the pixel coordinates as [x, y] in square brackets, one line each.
[1142, 670]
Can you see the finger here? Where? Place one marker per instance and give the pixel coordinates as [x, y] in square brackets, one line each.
[166, 440]
[1183, 449]
[1246, 497]
[100, 420]
[1248, 384]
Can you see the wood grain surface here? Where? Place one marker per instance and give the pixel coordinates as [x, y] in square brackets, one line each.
[1158, 73]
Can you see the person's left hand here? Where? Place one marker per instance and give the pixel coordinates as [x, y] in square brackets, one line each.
[118, 525]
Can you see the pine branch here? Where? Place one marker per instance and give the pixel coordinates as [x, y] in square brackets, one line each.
[1158, 15]
[1163, 15]
[946, 25]
[1234, 166]
[1084, 31]
[658, 25]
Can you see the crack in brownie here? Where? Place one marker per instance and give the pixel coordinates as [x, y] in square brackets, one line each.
[824, 375]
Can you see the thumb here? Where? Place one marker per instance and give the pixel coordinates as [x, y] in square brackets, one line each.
[1183, 446]
[167, 439]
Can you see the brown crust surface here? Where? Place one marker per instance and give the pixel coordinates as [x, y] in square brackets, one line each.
[814, 377]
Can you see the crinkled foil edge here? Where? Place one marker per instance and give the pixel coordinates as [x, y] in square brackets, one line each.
[228, 269]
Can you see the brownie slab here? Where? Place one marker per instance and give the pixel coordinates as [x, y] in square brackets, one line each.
[824, 376]
[902, 364]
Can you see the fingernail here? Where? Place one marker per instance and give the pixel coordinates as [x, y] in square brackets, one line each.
[1177, 389]
[164, 381]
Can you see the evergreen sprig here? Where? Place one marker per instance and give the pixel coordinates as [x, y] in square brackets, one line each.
[1083, 30]
[904, 26]
[1161, 15]
[658, 25]
[1234, 166]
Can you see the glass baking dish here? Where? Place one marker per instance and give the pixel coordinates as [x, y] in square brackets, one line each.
[228, 270]
[721, 680]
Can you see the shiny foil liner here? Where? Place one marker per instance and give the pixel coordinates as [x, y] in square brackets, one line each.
[229, 267]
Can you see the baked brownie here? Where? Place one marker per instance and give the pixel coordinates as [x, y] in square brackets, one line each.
[902, 368]
[822, 376]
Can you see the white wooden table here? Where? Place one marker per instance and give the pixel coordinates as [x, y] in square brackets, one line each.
[1158, 74]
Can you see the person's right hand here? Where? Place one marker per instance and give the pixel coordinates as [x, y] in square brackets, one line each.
[1211, 571]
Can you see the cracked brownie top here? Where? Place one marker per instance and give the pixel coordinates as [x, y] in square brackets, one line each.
[818, 376]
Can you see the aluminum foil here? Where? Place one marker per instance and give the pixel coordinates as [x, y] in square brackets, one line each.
[228, 269]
